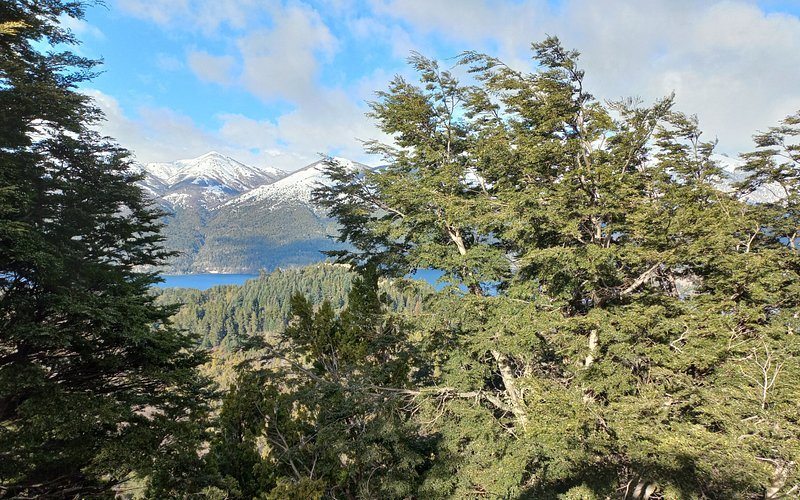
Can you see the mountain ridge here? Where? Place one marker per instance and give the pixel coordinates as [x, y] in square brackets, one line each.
[224, 216]
[295, 186]
[210, 179]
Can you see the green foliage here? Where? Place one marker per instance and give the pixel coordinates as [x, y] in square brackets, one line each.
[95, 384]
[229, 315]
[313, 419]
[775, 166]
[617, 325]
[617, 321]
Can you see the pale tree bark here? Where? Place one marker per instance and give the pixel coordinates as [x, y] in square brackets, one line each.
[455, 237]
[514, 394]
[594, 337]
[768, 370]
[514, 400]
[640, 280]
[642, 491]
[778, 480]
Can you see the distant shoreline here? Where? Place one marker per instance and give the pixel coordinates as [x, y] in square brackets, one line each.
[202, 281]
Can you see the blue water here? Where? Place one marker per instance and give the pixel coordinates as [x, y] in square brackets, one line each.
[432, 275]
[206, 281]
[203, 281]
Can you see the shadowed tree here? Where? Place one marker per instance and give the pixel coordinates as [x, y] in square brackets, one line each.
[94, 382]
[326, 408]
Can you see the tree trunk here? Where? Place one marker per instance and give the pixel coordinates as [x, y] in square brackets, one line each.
[593, 339]
[514, 394]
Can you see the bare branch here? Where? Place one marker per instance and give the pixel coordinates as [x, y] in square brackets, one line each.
[640, 280]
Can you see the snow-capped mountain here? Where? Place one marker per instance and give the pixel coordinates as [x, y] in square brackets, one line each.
[152, 186]
[208, 180]
[275, 224]
[294, 188]
[734, 172]
[225, 216]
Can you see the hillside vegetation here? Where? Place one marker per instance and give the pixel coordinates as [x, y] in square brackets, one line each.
[227, 316]
[621, 323]
[617, 318]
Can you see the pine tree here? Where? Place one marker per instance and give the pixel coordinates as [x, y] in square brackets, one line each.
[774, 167]
[94, 382]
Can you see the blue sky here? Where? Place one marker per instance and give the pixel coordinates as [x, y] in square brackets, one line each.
[278, 82]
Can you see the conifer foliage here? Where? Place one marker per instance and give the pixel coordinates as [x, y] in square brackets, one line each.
[620, 324]
[94, 383]
[325, 407]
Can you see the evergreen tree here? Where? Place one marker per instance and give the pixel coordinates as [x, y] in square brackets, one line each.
[326, 408]
[618, 324]
[774, 167]
[94, 382]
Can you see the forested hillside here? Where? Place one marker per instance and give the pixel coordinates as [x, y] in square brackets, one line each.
[228, 316]
[221, 222]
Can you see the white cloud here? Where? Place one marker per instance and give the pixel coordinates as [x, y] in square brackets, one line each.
[283, 62]
[167, 62]
[161, 12]
[203, 15]
[332, 124]
[247, 132]
[734, 66]
[155, 134]
[506, 27]
[216, 69]
[278, 63]
[80, 28]
[729, 62]
[473, 20]
[329, 122]
[371, 30]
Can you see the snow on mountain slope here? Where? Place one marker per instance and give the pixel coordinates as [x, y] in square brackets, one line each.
[152, 186]
[214, 169]
[734, 173]
[162, 171]
[294, 188]
[209, 180]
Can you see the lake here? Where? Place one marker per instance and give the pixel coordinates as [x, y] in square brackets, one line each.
[206, 281]
[203, 281]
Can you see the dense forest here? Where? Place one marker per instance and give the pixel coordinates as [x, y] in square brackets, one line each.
[246, 240]
[228, 316]
[619, 322]
[96, 386]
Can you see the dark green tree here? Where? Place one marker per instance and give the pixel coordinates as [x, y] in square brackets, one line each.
[95, 384]
[774, 169]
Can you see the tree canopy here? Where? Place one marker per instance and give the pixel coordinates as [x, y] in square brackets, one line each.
[620, 319]
[94, 382]
[619, 323]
